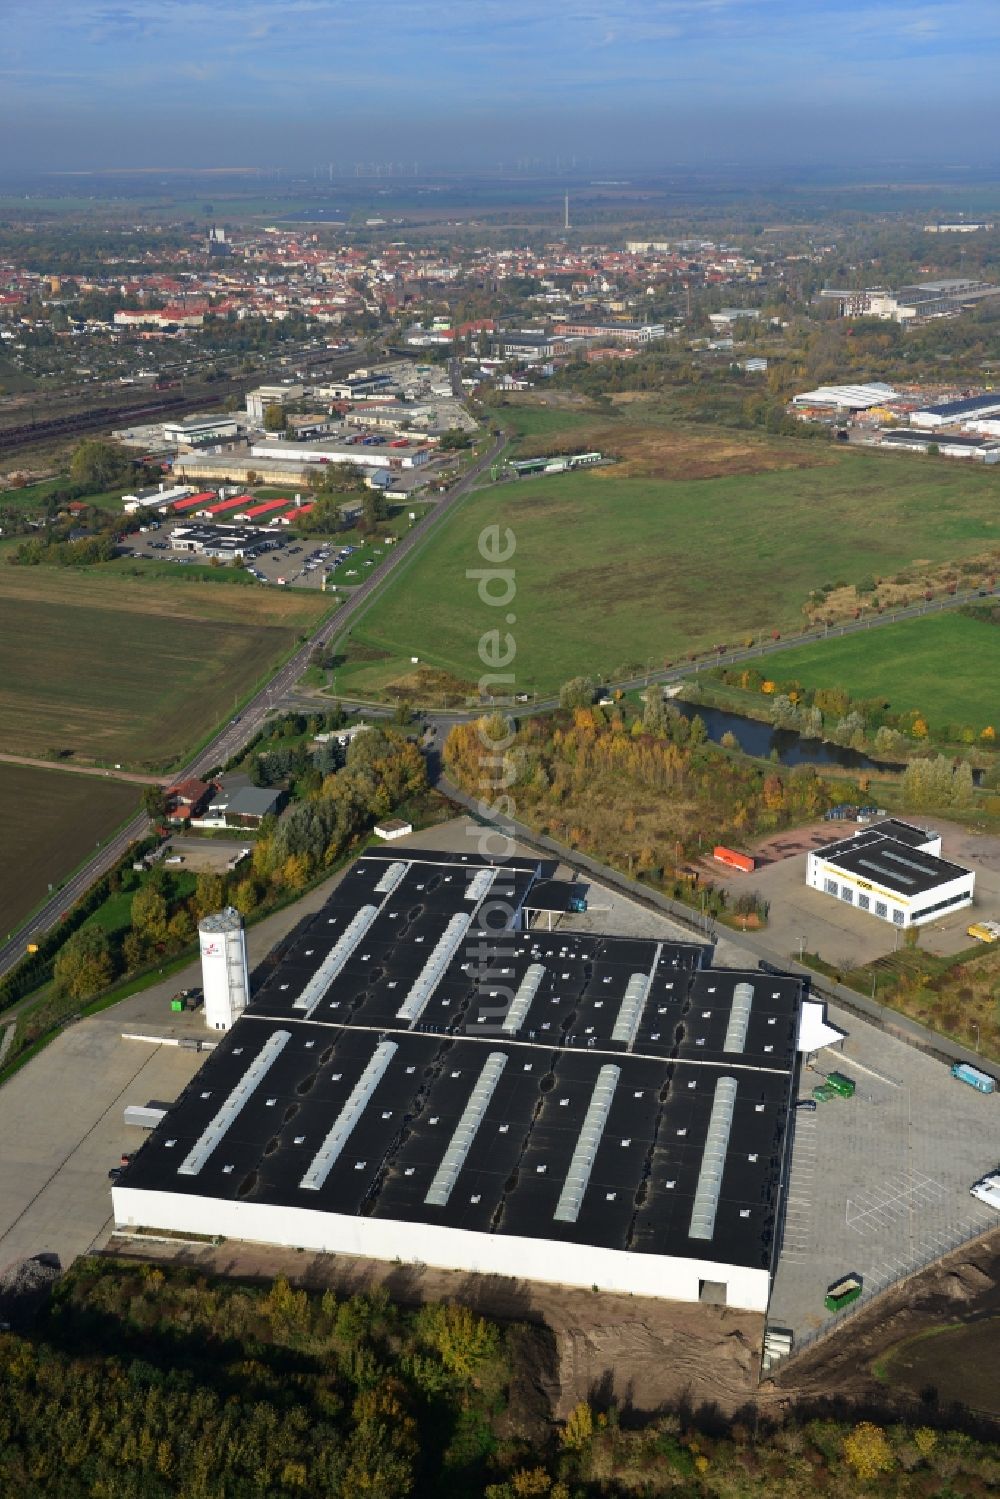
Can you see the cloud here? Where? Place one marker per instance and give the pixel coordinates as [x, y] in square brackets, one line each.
[400, 62]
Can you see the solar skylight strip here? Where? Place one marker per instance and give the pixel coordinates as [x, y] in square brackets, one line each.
[357, 1102]
[392, 877]
[254, 1075]
[432, 972]
[480, 884]
[634, 1003]
[890, 853]
[591, 1133]
[713, 1160]
[888, 875]
[465, 1131]
[335, 959]
[739, 1018]
[521, 1003]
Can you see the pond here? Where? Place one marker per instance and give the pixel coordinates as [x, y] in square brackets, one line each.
[763, 739]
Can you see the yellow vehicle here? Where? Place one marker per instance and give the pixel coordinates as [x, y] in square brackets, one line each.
[985, 931]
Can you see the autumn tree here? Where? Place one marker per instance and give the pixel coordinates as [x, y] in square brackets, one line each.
[84, 965]
[578, 692]
[209, 894]
[867, 1451]
[149, 915]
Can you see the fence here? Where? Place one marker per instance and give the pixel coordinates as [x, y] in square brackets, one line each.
[943, 1048]
[880, 1285]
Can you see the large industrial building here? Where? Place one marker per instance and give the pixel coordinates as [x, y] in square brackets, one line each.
[955, 413]
[427, 1073]
[893, 871]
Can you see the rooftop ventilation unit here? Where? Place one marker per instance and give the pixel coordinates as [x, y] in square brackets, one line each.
[360, 1095]
[237, 1100]
[335, 959]
[465, 1131]
[713, 1160]
[578, 1176]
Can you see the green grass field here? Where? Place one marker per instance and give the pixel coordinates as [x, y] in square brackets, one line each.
[51, 821]
[946, 667]
[132, 670]
[32, 496]
[613, 572]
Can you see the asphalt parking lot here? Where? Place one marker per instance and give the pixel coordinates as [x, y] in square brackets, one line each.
[879, 1183]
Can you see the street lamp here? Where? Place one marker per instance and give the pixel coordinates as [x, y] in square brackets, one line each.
[976, 1024]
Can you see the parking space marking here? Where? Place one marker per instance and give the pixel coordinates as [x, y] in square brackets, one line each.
[873, 1208]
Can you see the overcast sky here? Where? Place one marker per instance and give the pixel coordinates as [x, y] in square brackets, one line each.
[105, 83]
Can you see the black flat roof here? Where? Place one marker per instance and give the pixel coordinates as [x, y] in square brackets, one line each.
[890, 862]
[962, 408]
[545, 1021]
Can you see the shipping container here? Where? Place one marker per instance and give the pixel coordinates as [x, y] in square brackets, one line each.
[735, 860]
[972, 1075]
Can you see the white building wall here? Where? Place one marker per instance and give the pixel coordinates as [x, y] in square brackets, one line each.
[914, 909]
[448, 1248]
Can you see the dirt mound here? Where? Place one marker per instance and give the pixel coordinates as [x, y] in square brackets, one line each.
[431, 688]
[965, 1283]
[24, 1286]
[960, 1293]
[675, 1352]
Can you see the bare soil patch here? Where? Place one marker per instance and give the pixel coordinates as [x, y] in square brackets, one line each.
[961, 1291]
[648, 451]
[646, 1354]
[431, 688]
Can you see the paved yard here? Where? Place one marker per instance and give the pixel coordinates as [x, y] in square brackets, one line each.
[62, 1127]
[206, 855]
[804, 918]
[880, 1182]
[61, 1116]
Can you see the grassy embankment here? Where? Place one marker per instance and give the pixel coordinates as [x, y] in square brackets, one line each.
[944, 667]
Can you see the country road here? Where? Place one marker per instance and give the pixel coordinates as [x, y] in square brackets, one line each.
[224, 745]
[85, 770]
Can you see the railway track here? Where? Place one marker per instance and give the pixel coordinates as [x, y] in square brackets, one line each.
[173, 403]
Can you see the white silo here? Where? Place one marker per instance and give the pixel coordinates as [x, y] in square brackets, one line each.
[224, 974]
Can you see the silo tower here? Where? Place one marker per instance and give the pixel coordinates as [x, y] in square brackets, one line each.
[224, 974]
